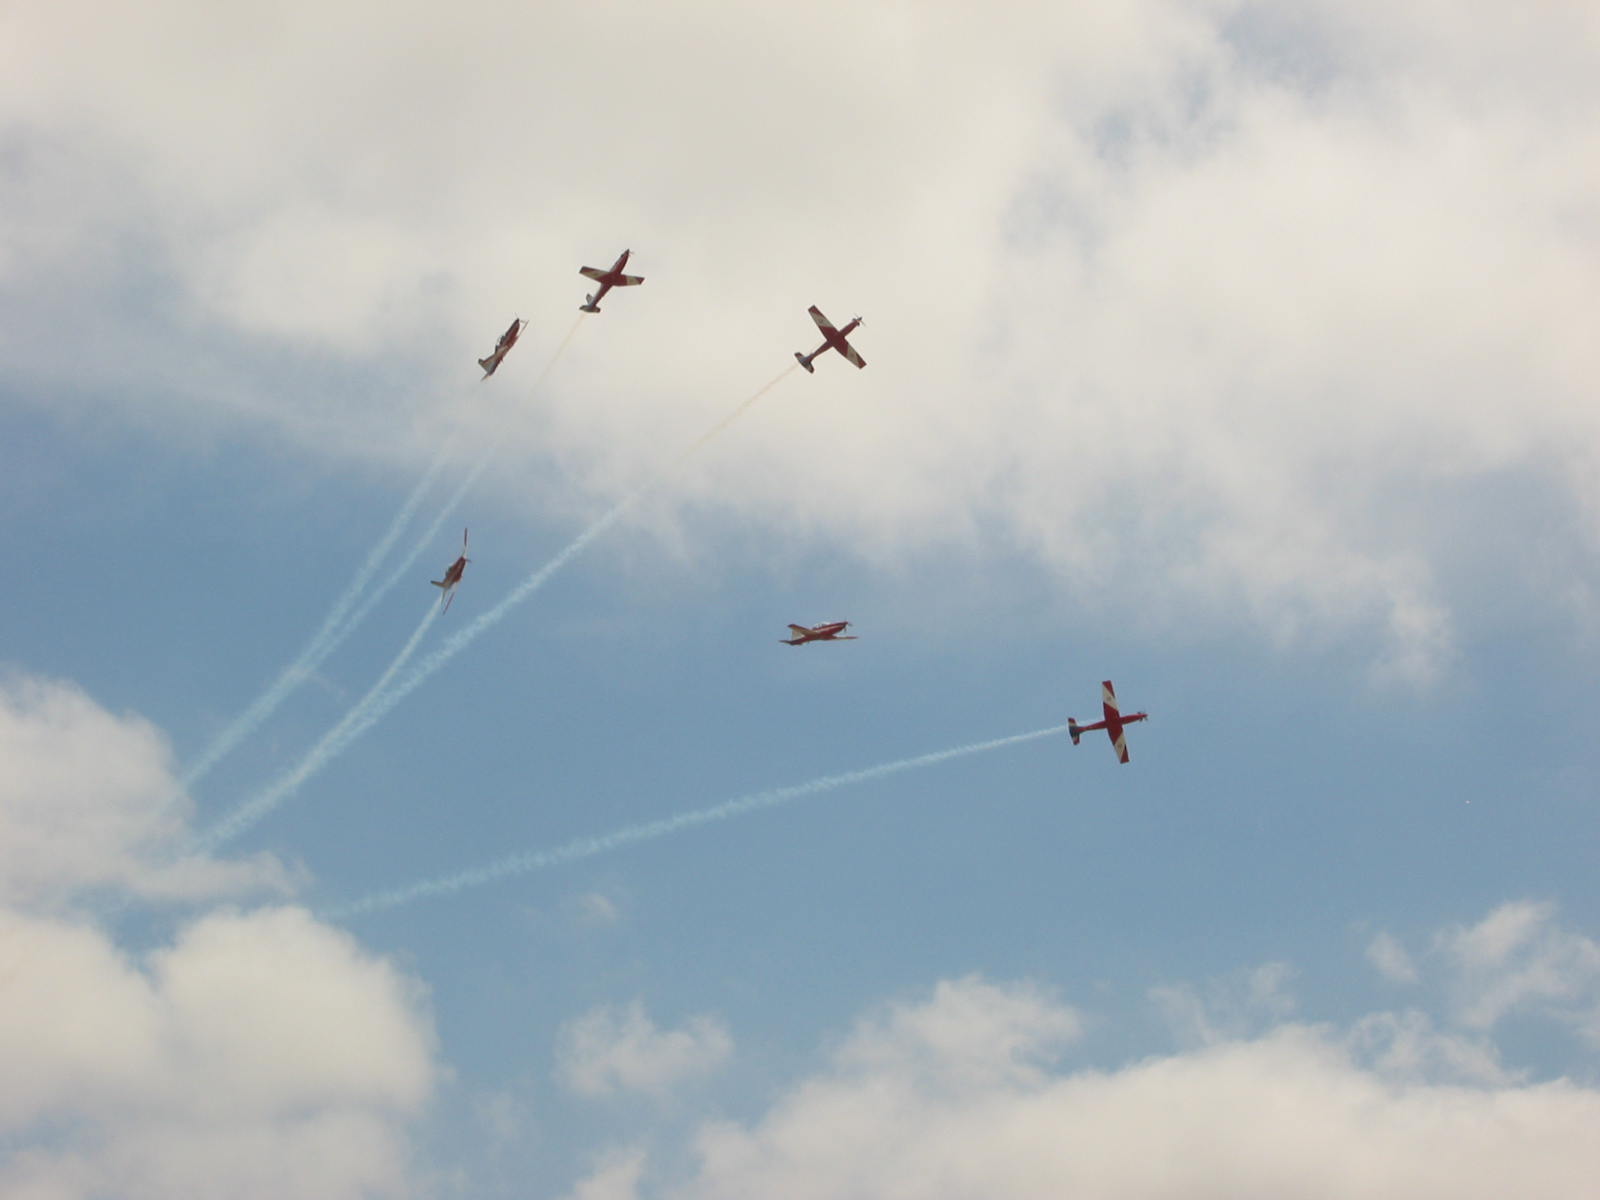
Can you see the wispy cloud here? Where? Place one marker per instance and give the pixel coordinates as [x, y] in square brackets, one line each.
[619, 1048]
[86, 805]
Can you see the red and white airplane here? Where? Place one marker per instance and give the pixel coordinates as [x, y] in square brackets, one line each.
[834, 339]
[452, 575]
[607, 280]
[818, 633]
[502, 348]
[1113, 723]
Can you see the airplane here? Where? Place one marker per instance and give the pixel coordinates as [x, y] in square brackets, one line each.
[1113, 723]
[834, 340]
[829, 632]
[607, 280]
[452, 574]
[502, 348]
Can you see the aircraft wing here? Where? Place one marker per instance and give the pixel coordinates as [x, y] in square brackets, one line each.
[1120, 745]
[629, 280]
[822, 322]
[595, 273]
[849, 352]
[1108, 700]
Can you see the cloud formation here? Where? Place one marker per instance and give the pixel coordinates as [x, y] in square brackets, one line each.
[1519, 959]
[87, 802]
[616, 1049]
[259, 1055]
[255, 1054]
[959, 1094]
[1245, 312]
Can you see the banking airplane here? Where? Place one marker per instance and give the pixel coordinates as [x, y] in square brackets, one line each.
[502, 348]
[452, 574]
[607, 280]
[834, 339]
[1113, 723]
[818, 633]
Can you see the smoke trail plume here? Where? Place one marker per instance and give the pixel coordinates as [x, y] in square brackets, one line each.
[649, 831]
[325, 641]
[403, 567]
[258, 806]
[378, 703]
[468, 482]
[345, 617]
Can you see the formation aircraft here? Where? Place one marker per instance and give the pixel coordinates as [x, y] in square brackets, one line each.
[607, 280]
[833, 339]
[452, 575]
[829, 632]
[1112, 724]
[502, 348]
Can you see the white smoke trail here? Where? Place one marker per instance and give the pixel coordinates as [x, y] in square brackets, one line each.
[538, 860]
[345, 618]
[403, 568]
[468, 482]
[329, 636]
[463, 638]
[258, 806]
[378, 703]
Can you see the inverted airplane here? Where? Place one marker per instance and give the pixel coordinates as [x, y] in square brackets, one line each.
[829, 632]
[452, 575]
[1112, 724]
[607, 280]
[833, 339]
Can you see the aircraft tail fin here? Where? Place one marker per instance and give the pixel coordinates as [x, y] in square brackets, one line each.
[1073, 731]
[438, 583]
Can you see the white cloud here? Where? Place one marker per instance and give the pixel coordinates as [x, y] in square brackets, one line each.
[1409, 1046]
[1228, 1007]
[259, 1055]
[971, 1033]
[1518, 959]
[615, 1178]
[1222, 307]
[597, 909]
[1290, 1112]
[87, 800]
[1391, 960]
[614, 1049]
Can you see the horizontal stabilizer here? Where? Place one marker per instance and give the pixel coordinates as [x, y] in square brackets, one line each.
[438, 583]
[805, 361]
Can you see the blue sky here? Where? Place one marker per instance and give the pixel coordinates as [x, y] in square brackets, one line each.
[1237, 353]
